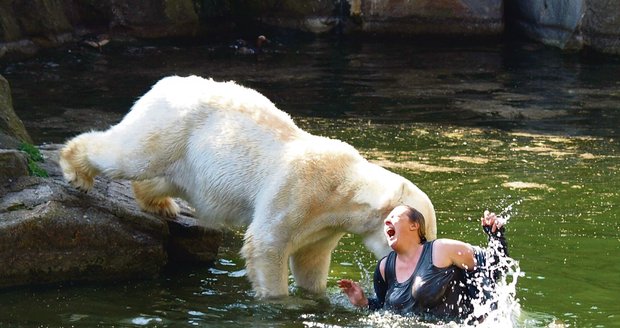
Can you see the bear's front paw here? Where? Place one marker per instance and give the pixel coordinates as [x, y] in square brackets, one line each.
[82, 183]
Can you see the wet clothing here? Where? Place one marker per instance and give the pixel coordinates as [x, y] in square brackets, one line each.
[437, 293]
[429, 292]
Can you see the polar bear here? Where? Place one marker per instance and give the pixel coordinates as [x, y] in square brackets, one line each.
[238, 160]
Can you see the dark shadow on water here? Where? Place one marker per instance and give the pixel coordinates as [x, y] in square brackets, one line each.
[505, 85]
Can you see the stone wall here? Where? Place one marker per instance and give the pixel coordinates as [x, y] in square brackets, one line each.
[28, 25]
[430, 17]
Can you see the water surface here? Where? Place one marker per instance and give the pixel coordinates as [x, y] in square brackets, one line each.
[477, 127]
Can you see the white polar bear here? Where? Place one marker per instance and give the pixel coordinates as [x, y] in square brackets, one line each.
[238, 160]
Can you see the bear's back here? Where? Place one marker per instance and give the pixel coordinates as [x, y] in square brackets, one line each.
[188, 101]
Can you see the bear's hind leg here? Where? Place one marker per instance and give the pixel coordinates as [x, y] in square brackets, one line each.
[153, 196]
[310, 265]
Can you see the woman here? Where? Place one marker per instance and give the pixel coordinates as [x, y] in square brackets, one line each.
[429, 279]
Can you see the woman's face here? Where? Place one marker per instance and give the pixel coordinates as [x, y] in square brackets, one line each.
[397, 225]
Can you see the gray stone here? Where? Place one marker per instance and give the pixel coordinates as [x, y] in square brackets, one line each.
[601, 25]
[13, 164]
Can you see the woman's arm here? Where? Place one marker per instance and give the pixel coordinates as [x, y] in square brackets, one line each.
[380, 286]
[448, 252]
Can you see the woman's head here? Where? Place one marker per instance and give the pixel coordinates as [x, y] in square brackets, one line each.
[401, 223]
[416, 217]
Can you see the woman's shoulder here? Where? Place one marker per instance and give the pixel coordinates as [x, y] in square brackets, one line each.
[447, 242]
[450, 251]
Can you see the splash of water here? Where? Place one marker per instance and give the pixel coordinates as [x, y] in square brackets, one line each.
[498, 305]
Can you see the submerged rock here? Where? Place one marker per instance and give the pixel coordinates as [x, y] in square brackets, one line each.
[50, 232]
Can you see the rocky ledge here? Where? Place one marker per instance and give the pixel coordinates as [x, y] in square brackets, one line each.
[51, 232]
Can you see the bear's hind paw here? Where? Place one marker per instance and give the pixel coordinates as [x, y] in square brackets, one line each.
[165, 206]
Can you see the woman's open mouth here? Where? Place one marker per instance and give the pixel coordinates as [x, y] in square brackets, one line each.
[390, 232]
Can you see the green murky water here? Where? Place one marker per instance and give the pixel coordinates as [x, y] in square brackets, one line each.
[476, 127]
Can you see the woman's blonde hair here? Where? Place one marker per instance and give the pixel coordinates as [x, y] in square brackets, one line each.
[417, 217]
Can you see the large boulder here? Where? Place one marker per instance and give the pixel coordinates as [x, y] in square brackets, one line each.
[568, 24]
[50, 232]
[13, 163]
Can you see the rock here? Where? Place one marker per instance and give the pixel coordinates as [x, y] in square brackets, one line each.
[569, 25]
[390, 17]
[12, 130]
[50, 232]
[601, 26]
[430, 17]
[549, 21]
[150, 19]
[308, 16]
[13, 164]
[29, 25]
[190, 241]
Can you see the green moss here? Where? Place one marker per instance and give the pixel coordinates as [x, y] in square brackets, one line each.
[34, 156]
[36, 170]
[32, 151]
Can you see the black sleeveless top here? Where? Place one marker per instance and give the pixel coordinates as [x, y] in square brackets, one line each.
[430, 292]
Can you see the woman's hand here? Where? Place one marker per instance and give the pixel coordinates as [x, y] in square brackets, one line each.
[490, 222]
[354, 292]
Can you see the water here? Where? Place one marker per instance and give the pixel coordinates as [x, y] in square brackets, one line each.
[514, 127]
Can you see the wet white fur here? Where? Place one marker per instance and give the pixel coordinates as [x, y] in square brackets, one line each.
[238, 160]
